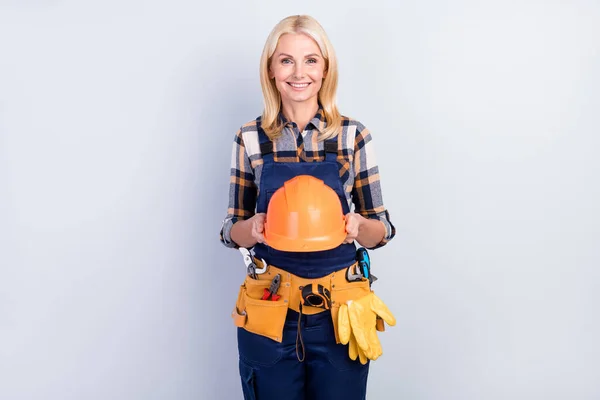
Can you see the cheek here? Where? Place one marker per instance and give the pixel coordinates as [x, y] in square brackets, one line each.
[280, 79]
[275, 73]
[318, 83]
[317, 77]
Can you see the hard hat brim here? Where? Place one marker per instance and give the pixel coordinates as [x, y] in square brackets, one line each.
[283, 243]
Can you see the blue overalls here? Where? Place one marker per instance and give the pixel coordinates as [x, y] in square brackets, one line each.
[270, 370]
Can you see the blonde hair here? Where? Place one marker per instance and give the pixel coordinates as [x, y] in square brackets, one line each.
[327, 94]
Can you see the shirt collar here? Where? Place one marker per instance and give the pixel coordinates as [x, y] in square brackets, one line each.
[318, 121]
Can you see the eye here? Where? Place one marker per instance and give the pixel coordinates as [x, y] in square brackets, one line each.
[312, 61]
[286, 61]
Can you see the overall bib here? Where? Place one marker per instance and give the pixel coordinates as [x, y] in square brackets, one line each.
[270, 369]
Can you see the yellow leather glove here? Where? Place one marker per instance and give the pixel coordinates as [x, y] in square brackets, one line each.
[363, 320]
[346, 336]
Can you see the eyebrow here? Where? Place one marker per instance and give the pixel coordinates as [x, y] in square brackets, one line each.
[306, 56]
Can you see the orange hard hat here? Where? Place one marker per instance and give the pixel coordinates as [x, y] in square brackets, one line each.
[304, 215]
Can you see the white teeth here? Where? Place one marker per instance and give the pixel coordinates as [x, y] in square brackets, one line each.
[299, 85]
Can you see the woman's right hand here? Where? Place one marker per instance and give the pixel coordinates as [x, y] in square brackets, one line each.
[258, 227]
[246, 233]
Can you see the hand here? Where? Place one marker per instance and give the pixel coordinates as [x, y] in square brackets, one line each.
[257, 229]
[353, 223]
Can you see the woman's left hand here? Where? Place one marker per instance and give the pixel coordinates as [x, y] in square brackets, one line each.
[353, 223]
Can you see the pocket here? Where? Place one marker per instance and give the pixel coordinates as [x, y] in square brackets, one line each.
[263, 317]
[266, 317]
[258, 351]
[344, 164]
[239, 317]
[239, 314]
[338, 356]
[268, 194]
[248, 380]
[343, 292]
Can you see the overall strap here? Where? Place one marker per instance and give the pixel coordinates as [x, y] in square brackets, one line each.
[266, 145]
[331, 149]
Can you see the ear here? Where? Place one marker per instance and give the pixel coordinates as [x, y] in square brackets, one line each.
[271, 74]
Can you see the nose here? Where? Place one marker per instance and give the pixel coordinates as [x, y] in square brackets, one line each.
[298, 71]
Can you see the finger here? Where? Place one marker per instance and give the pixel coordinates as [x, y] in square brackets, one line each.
[353, 348]
[379, 307]
[352, 229]
[362, 357]
[349, 239]
[259, 224]
[375, 349]
[343, 324]
[355, 311]
[349, 223]
[257, 235]
[351, 235]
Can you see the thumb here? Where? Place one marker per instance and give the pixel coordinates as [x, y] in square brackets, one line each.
[382, 310]
[259, 225]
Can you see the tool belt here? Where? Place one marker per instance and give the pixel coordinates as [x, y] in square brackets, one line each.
[308, 296]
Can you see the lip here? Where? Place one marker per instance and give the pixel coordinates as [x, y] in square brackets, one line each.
[291, 84]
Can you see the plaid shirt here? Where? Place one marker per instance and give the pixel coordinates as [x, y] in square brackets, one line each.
[358, 169]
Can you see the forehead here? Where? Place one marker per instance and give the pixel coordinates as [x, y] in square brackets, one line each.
[297, 44]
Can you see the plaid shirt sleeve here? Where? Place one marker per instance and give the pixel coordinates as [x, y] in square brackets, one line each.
[366, 193]
[242, 190]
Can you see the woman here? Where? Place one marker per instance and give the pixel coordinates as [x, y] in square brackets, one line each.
[298, 72]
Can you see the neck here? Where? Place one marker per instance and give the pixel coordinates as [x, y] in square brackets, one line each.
[300, 113]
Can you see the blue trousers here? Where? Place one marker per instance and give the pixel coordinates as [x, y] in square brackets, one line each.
[271, 371]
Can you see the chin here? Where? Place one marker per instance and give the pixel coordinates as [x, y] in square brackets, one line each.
[301, 99]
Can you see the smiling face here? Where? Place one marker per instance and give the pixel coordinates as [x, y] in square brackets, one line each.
[298, 68]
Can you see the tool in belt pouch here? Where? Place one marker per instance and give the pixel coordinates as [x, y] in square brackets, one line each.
[315, 295]
[267, 317]
[362, 269]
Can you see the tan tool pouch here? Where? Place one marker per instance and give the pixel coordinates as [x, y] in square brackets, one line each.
[342, 291]
[263, 317]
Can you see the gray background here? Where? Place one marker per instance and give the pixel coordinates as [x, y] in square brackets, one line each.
[116, 125]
